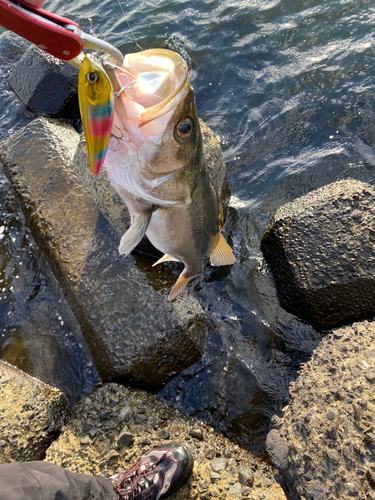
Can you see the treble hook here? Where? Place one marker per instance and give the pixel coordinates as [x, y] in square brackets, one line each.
[115, 136]
[122, 138]
[118, 140]
[118, 144]
[127, 86]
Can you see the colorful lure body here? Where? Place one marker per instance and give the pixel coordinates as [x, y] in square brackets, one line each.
[96, 104]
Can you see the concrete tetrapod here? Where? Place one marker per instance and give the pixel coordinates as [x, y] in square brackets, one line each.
[320, 249]
[134, 334]
[324, 443]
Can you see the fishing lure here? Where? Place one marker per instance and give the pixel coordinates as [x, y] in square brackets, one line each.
[96, 104]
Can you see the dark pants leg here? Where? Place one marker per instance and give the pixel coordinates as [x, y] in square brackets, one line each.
[45, 481]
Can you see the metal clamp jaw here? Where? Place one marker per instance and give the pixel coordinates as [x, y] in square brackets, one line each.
[91, 42]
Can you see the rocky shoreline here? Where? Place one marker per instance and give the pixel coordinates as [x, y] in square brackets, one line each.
[323, 442]
[109, 430]
[135, 336]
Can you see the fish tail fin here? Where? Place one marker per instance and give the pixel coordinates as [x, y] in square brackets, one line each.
[179, 286]
[135, 233]
[222, 254]
[165, 258]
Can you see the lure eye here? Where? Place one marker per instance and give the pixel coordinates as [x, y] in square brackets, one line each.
[92, 77]
[185, 128]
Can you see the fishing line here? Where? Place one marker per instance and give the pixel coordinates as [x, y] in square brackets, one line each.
[131, 31]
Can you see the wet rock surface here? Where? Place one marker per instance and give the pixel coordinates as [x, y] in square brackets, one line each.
[38, 333]
[111, 429]
[324, 444]
[12, 47]
[135, 335]
[46, 85]
[31, 414]
[320, 249]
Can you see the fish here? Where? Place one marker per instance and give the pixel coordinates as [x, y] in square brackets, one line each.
[156, 164]
[96, 103]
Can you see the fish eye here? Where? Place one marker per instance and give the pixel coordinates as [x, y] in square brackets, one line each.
[185, 128]
[92, 77]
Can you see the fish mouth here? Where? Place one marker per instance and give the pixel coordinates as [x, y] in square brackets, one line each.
[155, 82]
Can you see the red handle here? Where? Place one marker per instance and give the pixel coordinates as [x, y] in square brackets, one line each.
[34, 25]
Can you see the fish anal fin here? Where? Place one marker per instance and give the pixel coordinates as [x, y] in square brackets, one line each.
[165, 258]
[179, 286]
[135, 233]
[222, 254]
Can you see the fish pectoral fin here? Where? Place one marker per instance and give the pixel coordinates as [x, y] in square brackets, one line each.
[135, 233]
[179, 286]
[165, 258]
[222, 254]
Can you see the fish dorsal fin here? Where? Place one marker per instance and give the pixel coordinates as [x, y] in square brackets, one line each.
[165, 258]
[179, 286]
[222, 254]
[135, 233]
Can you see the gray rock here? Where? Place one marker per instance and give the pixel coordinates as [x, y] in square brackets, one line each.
[214, 476]
[266, 482]
[46, 85]
[245, 476]
[353, 489]
[218, 465]
[164, 434]
[22, 438]
[235, 490]
[370, 474]
[333, 455]
[104, 414]
[320, 251]
[197, 434]
[134, 333]
[316, 491]
[369, 438]
[277, 450]
[125, 439]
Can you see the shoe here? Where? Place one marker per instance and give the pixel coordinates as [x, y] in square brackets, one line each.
[157, 474]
